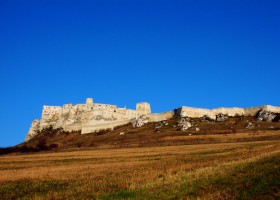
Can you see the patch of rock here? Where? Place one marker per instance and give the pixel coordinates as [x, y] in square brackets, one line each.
[250, 125]
[159, 125]
[142, 120]
[206, 119]
[221, 117]
[266, 116]
[184, 124]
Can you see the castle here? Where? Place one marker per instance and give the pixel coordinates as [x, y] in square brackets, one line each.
[87, 118]
[92, 117]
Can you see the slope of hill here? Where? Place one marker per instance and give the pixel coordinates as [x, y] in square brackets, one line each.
[233, 159]
[203, 131]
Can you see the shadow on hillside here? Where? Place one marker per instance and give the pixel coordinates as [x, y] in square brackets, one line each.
[41, 146]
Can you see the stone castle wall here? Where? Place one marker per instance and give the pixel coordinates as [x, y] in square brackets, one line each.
[156, 117]
[88, 117]
[103, 126]
[186, 111]
[92, 117]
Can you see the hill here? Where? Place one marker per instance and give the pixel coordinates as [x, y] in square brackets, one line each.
[180, 158]
[164, 133]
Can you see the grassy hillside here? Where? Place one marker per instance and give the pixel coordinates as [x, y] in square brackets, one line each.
[222, 160]
[231, 130]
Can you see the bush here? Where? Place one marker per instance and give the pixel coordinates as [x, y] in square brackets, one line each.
[42, 145]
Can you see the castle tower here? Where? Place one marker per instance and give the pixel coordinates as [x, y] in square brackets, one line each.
[89, 101]
[143, 108]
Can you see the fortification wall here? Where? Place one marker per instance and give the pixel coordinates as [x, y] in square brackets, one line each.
[51, 110]
[270, 108]
[252, 111]
[185, 111]
[156, 117]
[104, 126]
[100, 106]
[228, 111]
[131, 113]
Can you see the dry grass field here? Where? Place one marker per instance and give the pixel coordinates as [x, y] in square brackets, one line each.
[243, 165]
[210, 171]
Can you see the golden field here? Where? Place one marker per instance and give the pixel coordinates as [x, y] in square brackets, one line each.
[207, 171]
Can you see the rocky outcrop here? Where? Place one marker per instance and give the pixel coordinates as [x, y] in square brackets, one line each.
[160, 125]
[205, 119]
[250, 125]
[265, 115]
[277, 118]
[221, 117]
[142, 120]
[33, 130]
[184, 124]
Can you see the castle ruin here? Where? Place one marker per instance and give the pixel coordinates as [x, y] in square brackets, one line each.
[87, 118]
[93, 117]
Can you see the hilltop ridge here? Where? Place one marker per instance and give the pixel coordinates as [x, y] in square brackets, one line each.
[95, 117]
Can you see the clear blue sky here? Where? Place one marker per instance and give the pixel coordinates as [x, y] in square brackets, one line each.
[170, 53]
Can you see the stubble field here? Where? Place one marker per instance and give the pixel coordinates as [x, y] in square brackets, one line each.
[221, 170]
